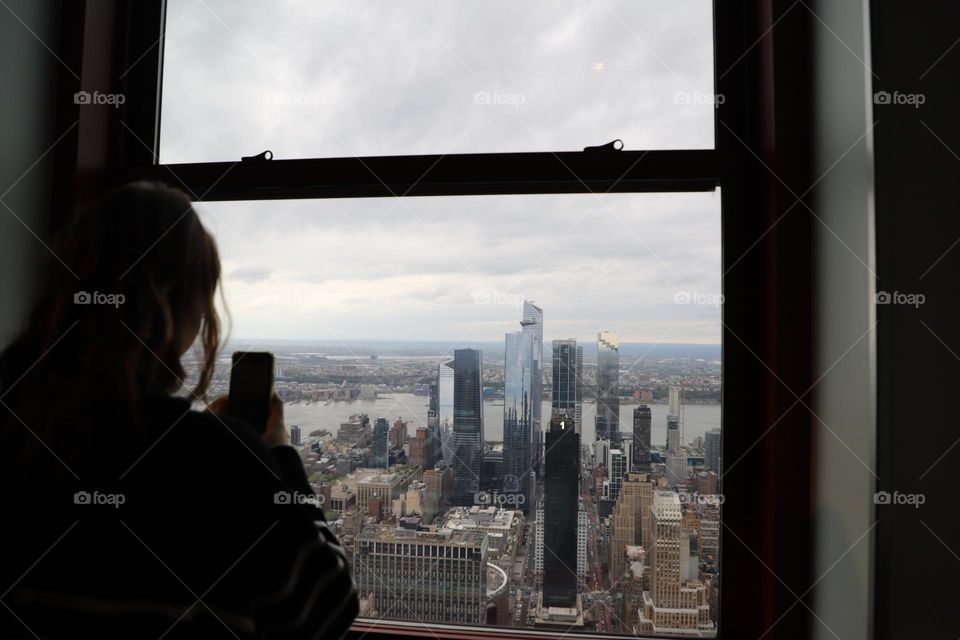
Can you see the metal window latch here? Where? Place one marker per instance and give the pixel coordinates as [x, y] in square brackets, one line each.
[266, 155]
[613, 145]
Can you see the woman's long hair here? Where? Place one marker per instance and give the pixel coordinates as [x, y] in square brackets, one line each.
[127, 281]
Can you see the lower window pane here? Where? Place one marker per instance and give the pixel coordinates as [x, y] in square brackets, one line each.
[510, 405]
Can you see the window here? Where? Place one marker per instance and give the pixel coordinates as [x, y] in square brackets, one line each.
[590, 280]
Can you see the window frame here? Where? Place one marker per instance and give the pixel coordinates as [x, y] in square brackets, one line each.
[767, 267]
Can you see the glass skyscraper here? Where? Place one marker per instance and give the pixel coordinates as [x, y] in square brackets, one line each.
[518, 415]
[608, 392]
[532, 325]
[712, 450]
[467, 425]
[567, 396]
[445, 410]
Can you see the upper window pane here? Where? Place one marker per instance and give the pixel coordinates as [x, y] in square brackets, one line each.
[399, 77]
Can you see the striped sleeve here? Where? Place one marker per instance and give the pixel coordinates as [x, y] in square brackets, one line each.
[318, 598]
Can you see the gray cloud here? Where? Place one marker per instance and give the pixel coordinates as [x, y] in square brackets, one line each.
[314, 79]
[250, 274]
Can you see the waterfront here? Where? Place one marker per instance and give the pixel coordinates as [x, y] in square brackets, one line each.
[698, 418]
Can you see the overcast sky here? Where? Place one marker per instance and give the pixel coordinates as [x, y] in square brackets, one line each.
[319, 78]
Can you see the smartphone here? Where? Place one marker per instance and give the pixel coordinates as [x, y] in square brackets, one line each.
[251, 388]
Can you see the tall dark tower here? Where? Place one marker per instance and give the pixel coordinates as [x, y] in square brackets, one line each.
[642, 419]
[567, 396]
[467, 425]
[561, 489]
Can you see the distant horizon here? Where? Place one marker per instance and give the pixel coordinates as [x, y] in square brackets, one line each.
[362, 349]
[423, 341]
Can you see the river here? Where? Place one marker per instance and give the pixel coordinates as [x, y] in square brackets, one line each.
[697, 418]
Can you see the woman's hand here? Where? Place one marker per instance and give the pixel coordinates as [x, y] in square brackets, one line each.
[276, 434]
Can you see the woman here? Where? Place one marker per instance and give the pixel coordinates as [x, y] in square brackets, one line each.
[129, 513]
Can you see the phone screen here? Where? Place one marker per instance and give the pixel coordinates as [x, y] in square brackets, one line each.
[251, 387]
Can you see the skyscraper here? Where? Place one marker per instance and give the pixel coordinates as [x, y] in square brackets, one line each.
[676, 399]
[712, 450]
[561, 490]
[567, 396]
[437, 577]
[380, 449]
[422, 449]
[295, 435]
[608, 391]
[673, 433]
[677, 469]
[433, 408]
[532, 324]
[445, 409]
[642, 420]
[467, 424]
[674, 603]
[398, 434]
[518, 415]
[627, 520]
[617, 467]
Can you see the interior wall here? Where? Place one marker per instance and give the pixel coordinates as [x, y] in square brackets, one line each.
[28, 130]
[917, 60]
[844, 399]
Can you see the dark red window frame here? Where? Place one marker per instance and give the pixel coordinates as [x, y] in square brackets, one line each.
[762, 144]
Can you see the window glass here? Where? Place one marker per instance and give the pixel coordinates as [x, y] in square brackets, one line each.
[509, 405]
[406, 77]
